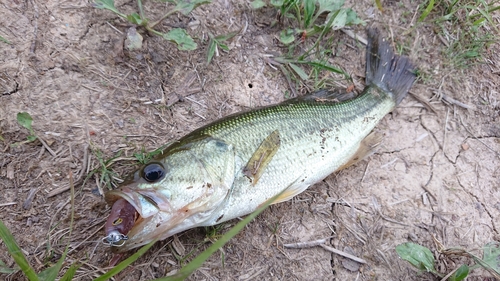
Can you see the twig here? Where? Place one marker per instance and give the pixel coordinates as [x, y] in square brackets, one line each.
[46, 146]
[197, 102]
[35, 31]
[366, 170]
[29, 198]
[88, 237]
[423, 101]
[7, 204]
[79, 180]
[307, 244]
[344, 254]
[467, 129]
[449, 274]
[445, 125]
[351, 34]
[456, 102]
[116, 29]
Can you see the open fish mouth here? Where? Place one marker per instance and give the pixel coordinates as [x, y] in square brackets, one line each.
[130, 209]
[141, 215]
[121, 220]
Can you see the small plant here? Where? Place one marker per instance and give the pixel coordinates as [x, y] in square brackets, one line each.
[144, 157]
[464, 26]
[306, 14]
[423, 259]
[107, 176]
[216, 42]
[178, 36]
[24, 119]
[213, 232]
[309, 19]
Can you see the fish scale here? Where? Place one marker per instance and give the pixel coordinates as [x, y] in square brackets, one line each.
[229, 168]
[300, 160]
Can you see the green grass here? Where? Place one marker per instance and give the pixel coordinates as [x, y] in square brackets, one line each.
[465, 27]
[4, 40]
[51, 273]
[107, 176]
[423, 259]
[307, 32]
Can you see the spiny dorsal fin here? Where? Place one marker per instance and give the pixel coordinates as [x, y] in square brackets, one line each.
[262, 156]
[337, 95]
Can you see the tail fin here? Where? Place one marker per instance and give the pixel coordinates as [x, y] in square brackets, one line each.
[391, 73]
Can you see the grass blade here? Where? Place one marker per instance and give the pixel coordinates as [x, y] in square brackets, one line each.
[302, 74]
[121, 266]
[5, 269]
[68, 276]
[309, 7]
[4, 40]
[491, 259]
[427, 11]
[212, 44]
[16, 252]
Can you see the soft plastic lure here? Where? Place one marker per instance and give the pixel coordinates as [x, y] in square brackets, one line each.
[121, 220]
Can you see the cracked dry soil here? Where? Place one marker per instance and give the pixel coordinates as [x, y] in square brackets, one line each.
[435, 177]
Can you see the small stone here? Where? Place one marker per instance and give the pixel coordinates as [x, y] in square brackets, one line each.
[348, 263]
[401, 167]
[465, 146]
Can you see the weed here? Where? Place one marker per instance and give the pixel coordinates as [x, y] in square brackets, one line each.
[464, 27]
[423, 259]
[308, 19]
[213, 232]
[216, 42]
[24, 119]
[4, 40]
[178, 36]
[274, 227]
[107, 176]
[144, 157]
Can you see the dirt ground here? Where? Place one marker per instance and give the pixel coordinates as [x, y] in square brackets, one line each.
[435, 177]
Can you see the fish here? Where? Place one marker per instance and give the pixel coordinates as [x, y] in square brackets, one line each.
[229, 168]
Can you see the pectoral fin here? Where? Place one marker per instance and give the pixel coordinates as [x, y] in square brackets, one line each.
[261, 157]
[366, 148]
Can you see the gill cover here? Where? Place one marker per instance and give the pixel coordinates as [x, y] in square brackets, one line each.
[197, 177]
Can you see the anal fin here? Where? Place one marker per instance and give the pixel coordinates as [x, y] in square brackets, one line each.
[289, 192]
[366, 148]
[262, 156]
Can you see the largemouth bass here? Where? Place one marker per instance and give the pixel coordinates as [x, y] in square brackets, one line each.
[227, 169]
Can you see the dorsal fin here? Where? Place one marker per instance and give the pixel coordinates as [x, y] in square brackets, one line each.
[337, 95]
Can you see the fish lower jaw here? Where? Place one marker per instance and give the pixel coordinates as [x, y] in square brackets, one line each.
[162, 226]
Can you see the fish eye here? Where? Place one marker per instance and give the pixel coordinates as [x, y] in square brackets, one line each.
[153, 172]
